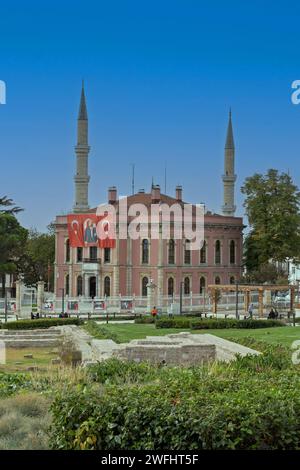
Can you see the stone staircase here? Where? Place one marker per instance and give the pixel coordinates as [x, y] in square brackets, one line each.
[39, 338]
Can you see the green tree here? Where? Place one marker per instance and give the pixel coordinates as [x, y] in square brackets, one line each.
[7, 206]
[38, 258]
[272, 205]
[266, 274]
[12, 240]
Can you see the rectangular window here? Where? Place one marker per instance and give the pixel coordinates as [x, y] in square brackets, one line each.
[93, 253]
[79, 255]
[106, 255]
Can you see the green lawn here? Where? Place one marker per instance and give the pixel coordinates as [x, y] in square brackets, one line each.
[284, 335]
[16, 362]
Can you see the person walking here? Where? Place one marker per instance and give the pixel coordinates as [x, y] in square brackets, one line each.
[250, 311]
[154, 312]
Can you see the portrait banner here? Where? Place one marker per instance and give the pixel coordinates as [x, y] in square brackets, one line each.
[84, 230]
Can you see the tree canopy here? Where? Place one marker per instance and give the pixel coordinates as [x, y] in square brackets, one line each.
[38, 257]
[272, 205]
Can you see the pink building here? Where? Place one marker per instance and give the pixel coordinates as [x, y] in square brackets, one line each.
[168, 264]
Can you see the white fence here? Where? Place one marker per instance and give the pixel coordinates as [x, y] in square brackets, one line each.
[133, 305]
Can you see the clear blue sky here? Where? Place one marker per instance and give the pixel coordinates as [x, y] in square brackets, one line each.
[160, 77]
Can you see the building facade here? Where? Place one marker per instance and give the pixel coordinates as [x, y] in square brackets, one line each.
[127, 269]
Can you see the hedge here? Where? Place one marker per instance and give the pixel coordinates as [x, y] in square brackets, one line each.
[252, 403]
[40, 323]
[199, 324]
[149, 319]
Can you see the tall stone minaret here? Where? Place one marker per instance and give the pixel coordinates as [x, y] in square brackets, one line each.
[82, 154]
[229, 177]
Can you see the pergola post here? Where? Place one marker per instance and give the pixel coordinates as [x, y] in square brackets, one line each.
[261, 302]
[292, 298]
[246, 300]
[215, 306]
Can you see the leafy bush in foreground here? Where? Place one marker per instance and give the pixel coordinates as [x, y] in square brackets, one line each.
[252, 403]
[12, 383]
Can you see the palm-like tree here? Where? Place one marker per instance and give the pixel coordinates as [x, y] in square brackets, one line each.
[7, 206]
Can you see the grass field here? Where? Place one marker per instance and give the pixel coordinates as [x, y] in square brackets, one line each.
[285, 335]
[41, 358]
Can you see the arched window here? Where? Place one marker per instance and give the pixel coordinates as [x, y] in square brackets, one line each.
[218, 252]
[187, 252]
[203, 253]
[217, 280]
[79, 285]
[67, 284]
[187, 288]
[170, 286]
[202, 285]
[67, 251]
[171, 252]
[232, 280]
[145, 251]
[107, 286]
[232, 252]
[145, 282]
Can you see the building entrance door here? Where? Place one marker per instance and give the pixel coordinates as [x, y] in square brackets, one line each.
[92, 287]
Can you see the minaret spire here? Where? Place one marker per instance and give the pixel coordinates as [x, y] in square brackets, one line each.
[82, 153]
[229, 176]
[82, 115]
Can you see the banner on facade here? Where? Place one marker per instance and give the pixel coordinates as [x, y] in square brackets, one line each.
[73, 306]
[91, 230]
[98, 305]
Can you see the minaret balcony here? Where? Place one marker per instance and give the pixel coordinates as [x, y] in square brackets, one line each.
[229, 178]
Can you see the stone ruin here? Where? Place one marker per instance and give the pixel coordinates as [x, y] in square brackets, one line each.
[173, 349]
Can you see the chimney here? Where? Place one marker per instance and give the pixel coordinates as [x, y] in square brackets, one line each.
[155, 194]
[112, 195]
[179, 193]
[141, 191]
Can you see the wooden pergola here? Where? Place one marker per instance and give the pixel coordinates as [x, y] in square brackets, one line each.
[214, 288]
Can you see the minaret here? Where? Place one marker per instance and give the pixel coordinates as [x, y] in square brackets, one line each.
[229, 177]
[82, 153]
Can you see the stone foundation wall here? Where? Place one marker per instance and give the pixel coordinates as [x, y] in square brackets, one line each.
[169, 354]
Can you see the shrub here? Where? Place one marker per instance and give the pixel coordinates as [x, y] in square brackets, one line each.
[100, 331]
[199, 323]
[116, 371]
[144, 320]
[13, 383]
[24, 422]
[173, 322]
[40, 323]
[221, 406]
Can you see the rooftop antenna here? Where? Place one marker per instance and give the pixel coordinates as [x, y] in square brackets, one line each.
[165, 178]
[132, 184]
